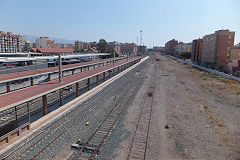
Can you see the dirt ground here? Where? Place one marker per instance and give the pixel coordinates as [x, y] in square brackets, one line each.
[202, 110]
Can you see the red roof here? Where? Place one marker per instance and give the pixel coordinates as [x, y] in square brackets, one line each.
[53, 50]
[33, 50]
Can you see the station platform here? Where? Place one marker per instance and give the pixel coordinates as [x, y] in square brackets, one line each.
[39, 125]
[15, 98]
[26, 74]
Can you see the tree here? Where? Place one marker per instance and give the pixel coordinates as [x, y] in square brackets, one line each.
[102, 46]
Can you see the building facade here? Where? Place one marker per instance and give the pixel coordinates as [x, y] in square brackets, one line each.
[170, 47]
[142, 49]
[216, 49]
[85, 46]
[11, 43]
[45, 42]
[28, 46]
[78, 46]
[235, 53]
[128, 48]
[116, 46]
[197, 51]
[158, 49]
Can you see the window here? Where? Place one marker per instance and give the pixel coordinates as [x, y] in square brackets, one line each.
[228, 48]
[229, 42]
[229, 36]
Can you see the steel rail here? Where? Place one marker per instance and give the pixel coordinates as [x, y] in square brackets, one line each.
[106, 91]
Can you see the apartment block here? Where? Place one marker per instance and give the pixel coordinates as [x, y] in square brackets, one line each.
[11, 43]
[45, 42]
[158, 49]
[78, 46]
[197, 51]
[216, 49]
[28, 46]
[170, 47]
[129, 48]
[183, 47]
[86, 46]
[142, 49]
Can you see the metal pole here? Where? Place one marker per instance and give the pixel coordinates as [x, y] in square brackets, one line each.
[44, 101]
[113, 57]
[60, 68]
[28, 112]
[16, 115]
[61, 96]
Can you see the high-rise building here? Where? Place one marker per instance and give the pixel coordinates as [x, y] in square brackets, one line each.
[45, 42]
[170, 47]
[78, 46]
[197, 50]
[11, 43]
[216, 49]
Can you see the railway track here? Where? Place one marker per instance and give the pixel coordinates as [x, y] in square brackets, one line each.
[40, 137]
[9, 115]
[139, 141]
[72, 125]
[90, 149]
[36, 104]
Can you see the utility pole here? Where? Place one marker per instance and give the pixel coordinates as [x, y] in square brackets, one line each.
[113, 57]
[60, 68]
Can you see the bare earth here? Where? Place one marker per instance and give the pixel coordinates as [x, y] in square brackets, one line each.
[202, 110]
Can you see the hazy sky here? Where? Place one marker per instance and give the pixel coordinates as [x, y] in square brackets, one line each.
[120, 20]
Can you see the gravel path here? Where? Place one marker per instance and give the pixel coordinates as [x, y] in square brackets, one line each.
[201, 111]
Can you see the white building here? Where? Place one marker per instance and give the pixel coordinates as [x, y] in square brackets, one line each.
[183, 47]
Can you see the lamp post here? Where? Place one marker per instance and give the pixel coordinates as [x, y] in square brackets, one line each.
[113, 57]
[59, 68]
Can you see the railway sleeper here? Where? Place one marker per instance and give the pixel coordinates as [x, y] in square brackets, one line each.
[99, 136]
